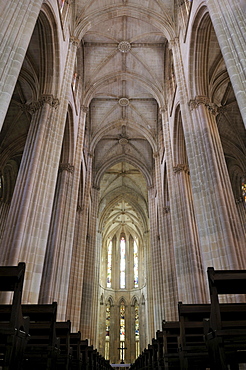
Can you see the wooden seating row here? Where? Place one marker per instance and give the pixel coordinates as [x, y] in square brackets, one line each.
[207, 336]
[32, 339]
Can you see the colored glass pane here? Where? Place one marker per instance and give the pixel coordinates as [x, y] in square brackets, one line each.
[109, 265]
[137, 330]
[122, 263]
[122, 322]
[122, 331]
[135, 258]
[107, 336]
[244, 191]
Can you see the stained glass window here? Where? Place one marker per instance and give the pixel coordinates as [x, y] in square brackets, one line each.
[109, 265]
[135, 258]
[244, 191]
[122, 263]
[137, 329]
[1, 187]
[122, 331]
[107, 336]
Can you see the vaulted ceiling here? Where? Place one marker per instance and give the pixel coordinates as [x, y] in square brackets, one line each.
[124, 88]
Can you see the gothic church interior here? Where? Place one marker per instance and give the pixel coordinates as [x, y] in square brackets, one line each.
[122, 158]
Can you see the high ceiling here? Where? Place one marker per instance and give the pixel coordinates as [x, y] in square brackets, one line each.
[124, 86]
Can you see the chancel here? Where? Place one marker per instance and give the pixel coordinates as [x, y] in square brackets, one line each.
[123, 181]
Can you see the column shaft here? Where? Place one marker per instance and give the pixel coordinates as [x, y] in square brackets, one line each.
[228, 18]
[17, 22]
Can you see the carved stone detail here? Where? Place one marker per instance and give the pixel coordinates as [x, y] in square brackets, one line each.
[181, 167]
[35, 106]
[49, 99]
[239, 200]
[74, 41]
[85, 109]
[123, 102]
[212, 107]
[80, 209]
[66, 167]
[124, 46]
[123, 141]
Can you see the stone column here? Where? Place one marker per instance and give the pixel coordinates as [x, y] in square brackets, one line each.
[241, 208]
[33, 197]
[55, 281]
[101, 326]
[188, 263]
[114, 334]
[221, 241]
[27, 225]
[157, 271]
[17, 21]
[220, 230]
[228, 18]
[147, 298]
[79, 251]
[170, 289]
[89, 306]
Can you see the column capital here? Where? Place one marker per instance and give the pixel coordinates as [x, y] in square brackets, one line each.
[36, 105]
[174, 42]
[156, 154]
[166, 209]
[84, 109]
[181, 167]
[74, 41]
[66, 167]
[163, 109]
[80, 208]
[204, 100]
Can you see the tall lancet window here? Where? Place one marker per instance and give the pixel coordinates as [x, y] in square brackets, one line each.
[244, 191]
[122, 263]
[135, 258]
[137, 343]
[107, 336]
[122, 331]
[109, 265]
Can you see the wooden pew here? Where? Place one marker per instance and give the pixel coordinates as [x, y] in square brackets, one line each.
[63, 332]
[14, 327]
[193, 353]
[226, 327]
[160, 350]
[171, 332]
[155, 354]
[43, 346]
[75, 339]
